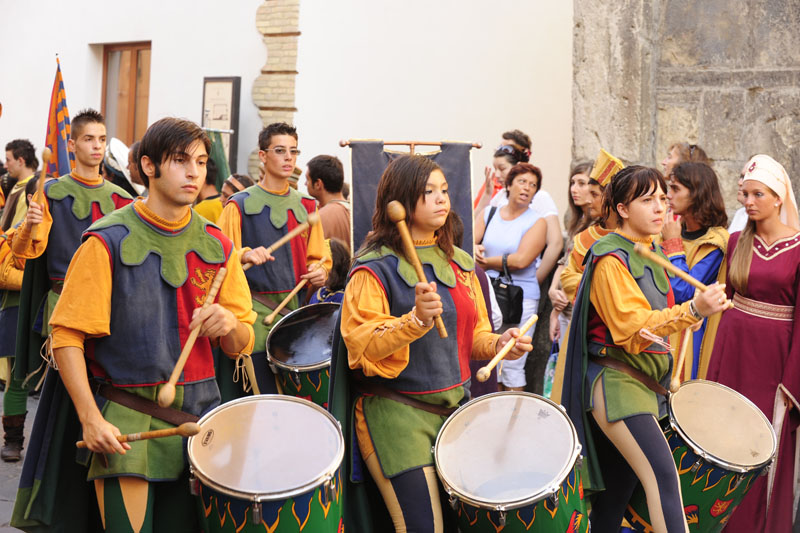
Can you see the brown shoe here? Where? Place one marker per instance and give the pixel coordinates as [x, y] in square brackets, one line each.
[13, 426]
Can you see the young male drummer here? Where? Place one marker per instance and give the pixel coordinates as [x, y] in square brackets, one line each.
[260, 215]
[131, 296]
[70, 205]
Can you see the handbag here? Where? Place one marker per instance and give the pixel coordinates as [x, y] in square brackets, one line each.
[509, 296]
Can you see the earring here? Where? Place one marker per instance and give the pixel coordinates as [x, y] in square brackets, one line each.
[777, 204]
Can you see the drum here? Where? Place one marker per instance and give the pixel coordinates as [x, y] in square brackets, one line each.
[268, 463]
[720, 442]
[510, 462]
[299, 351]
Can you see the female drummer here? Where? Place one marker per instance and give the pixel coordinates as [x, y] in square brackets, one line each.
[410, 377]
[757, 349]
[617, 355]
[695, 240]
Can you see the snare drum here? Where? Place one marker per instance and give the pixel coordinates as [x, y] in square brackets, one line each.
[510, 462]
[720, 442]
[268, 463]
[299, 351]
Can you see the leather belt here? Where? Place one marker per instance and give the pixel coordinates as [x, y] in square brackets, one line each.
[266, 302]
[638, 375]
[142, 405]
[374, 389]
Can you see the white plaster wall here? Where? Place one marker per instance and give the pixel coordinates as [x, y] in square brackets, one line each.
[451, 69]
[191, 39]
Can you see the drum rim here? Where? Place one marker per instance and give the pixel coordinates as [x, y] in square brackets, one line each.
[325, 477]
[543, 493]
[297, 368]
[711, 458]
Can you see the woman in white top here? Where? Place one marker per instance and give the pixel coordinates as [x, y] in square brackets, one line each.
[517, 234]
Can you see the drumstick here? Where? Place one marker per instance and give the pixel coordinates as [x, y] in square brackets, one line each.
[313, 218]
[675, 382]
[660, 261]
[184, 430]
[484, 371]
[397, 214]
[167, 393]
[270, 317]
[40, 186]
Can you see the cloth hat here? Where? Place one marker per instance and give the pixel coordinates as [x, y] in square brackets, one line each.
[605, 167]
[764, 169]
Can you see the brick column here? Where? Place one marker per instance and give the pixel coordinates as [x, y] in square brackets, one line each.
[273, 90]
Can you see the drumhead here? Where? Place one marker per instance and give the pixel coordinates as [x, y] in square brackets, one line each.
[722, 425]
[267, 447]
[303, 339]
[506, 449]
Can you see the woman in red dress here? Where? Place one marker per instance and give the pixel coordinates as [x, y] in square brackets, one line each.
[757, 348]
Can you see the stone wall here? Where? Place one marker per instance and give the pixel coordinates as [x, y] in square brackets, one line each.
[273, 90]
[719, 74]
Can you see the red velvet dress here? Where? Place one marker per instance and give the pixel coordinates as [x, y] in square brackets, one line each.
[755, 355]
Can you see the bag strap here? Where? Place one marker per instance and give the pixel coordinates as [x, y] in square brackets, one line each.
[491, 214]
[506, 273]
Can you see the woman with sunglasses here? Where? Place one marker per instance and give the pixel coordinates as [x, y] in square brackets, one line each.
[511, 237]
[695, 240]
[757, 347]
[617, 359]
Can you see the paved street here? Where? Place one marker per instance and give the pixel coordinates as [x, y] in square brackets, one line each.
[9, 473]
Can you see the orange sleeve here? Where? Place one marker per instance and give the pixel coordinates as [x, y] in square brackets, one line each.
[25, 247]
[234, 295]
[11, 269]
[85, 302]
[377, 342]
[318, 248]
[625, 311]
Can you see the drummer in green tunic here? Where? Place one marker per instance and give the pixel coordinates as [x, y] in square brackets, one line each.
[619, 360]
[409, 377]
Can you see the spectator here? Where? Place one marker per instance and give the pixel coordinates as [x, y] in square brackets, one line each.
[21, 163]
[681, 152]
[324, 181]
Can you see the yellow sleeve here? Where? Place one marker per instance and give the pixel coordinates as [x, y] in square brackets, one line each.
[377, 342]
[230, 222]
[85, 301]
[23, 246]
[317, 248]
[11, 269]
[571, 277]
[625, 311]
[484, 342]
[234, 295]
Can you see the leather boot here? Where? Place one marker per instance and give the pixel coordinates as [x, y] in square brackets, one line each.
[13, 426]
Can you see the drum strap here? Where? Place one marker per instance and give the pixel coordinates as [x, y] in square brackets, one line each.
[142, 405]
[265, 301]
[376, 389]
[644, 379]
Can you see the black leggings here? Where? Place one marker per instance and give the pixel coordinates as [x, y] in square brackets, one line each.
[630, 451]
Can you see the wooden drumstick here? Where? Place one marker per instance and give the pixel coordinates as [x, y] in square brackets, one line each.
[484, 371]
[270, 317]
[660, 261]
[397, 214]
[675, 382]
[167, 393]
[184, 430]
[313, 219]
[46, 154]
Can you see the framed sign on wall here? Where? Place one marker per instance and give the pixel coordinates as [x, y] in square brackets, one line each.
[221, 111]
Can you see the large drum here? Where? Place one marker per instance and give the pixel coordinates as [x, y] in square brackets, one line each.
[509, 462]
[299, 351]
[720, 442]
[268, 463]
